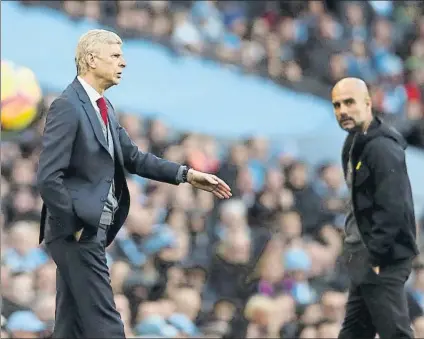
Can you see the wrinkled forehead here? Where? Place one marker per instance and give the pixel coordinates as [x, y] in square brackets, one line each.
[341, 93]
[110, 49]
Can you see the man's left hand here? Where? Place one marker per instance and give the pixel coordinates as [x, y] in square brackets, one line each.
[209, 183]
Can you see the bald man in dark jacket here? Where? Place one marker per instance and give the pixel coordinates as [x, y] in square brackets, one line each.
[380, 241]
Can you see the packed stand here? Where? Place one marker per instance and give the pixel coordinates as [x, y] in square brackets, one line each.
[264, 263]
[306, 45]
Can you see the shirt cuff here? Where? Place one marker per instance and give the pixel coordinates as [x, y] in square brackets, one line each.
[179, 178]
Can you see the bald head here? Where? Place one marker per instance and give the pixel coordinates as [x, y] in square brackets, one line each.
[352, 104]
[351, 84]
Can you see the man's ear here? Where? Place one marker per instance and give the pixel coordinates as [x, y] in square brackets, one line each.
[368, 101]
[89, 59]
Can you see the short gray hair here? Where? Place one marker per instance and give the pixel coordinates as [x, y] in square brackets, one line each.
[89, 43]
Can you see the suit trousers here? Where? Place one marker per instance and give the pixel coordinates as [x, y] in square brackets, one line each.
[85, 306]
[377, 303]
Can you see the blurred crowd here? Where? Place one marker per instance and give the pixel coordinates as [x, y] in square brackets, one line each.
[262, 264]
[266, 262]
[306, 45]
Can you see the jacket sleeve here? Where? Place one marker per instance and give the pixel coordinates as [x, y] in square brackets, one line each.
[386, 160]
[57, 144]
[147, 165]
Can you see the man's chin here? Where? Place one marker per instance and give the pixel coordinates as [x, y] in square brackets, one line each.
[115, 81]
[348, 129]
[348, 126]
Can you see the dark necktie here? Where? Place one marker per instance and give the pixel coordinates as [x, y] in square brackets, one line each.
[101, 103]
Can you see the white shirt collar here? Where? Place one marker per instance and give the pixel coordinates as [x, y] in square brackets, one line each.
[91, 92]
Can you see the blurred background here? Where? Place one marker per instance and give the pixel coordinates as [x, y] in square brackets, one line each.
[236, 88]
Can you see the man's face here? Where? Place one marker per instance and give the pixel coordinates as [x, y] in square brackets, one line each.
[46, 278]
[330, 330]
[333, 176]
[224, 310]
[109, 64]
[22, 289]
[351, 107]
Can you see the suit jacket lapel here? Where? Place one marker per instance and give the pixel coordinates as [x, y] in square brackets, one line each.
[113, 126]
[95, 123]
[91, 113]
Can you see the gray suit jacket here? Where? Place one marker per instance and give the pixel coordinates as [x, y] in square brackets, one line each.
[76, 170]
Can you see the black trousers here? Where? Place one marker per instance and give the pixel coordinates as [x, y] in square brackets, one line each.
[377, 303]
[85, 307]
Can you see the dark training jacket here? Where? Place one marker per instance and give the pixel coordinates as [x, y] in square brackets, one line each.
[381, 193]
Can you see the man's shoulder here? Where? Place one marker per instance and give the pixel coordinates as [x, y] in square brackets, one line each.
[385, 153]
[65, 105]
[385, 138]
[384, 144]
[62, 102]
[67, 98]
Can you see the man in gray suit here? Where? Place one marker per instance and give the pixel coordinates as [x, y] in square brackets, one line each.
[82, 183]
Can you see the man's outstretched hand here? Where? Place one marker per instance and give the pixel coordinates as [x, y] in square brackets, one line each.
[209, 183]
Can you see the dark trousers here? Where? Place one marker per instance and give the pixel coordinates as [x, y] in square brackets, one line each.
[377, 303]
[85, 307]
